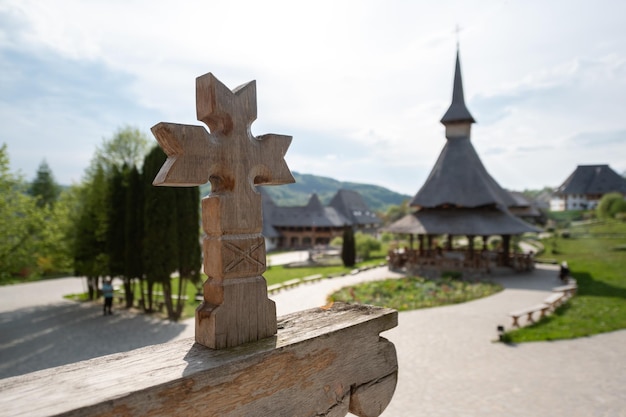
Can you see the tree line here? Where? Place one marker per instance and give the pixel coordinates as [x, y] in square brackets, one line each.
[115, 223]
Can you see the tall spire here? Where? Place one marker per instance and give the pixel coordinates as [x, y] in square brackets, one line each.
[457, 112]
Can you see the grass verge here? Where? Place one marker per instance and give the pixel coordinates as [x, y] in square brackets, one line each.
[599, 266]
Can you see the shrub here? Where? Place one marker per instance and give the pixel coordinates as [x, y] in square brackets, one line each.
[365, 245]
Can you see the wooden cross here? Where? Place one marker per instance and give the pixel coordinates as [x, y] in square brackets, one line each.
[236, 308]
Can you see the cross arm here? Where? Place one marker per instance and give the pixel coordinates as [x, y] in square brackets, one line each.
[186, 147]
[272, 168]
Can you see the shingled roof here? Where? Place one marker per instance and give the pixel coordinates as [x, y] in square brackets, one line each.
[346, 207]
[313, 214]
[593, 179]
[351, 205]
[460, 179]
[485, 221]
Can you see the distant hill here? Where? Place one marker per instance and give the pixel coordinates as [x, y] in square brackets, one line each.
[377, 198]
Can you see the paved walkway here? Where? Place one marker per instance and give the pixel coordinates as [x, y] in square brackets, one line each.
[449, 365]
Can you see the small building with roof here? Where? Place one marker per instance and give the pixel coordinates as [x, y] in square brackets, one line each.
[586, 186]
[297, 227]
[459, 198]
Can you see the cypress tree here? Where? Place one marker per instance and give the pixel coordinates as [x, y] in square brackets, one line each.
[160, 236]
[44, 188]
[348, 248]
[90, 251]
[116, 231]
[134, 233]
[189, 256]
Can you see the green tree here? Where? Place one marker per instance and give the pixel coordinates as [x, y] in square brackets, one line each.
[134, 233]
[116, 219]
[90, 255]
[395, 213]
[101, 226]
[44, 188]
[348, 248]
[20, 223]
[365, 244]
[610, 205]
[189, 253]
[56, 251]
[160, 238]
[127, 147]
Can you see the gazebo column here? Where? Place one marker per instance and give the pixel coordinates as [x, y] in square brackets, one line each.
[421, 243]
[506, 246]
[411, 240]
[449, 243]
[485, 239]
[430, 242]
[470, 245]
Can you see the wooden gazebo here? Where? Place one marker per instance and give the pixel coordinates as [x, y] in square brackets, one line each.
[459, 198]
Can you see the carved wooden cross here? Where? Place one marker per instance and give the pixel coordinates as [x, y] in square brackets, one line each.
[236, 308]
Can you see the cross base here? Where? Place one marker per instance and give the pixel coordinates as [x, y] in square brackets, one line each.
[235, 311]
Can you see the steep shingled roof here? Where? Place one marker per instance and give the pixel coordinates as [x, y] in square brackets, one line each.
[346, 207]
[351, 205]
[460, 179]
[459, 196]
[593, 179]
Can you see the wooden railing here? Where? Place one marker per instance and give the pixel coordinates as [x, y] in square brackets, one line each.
[416, 261]
[322, 362]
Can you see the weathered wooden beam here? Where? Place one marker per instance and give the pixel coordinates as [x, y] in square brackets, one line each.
[322, 362]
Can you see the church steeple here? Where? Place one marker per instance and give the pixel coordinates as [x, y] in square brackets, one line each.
[458, 118]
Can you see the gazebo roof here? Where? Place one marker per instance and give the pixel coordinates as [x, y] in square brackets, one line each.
[484, 221]
[460, 179]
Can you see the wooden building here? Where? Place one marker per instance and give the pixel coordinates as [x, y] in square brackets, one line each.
[315, 224]
[459, 198]
[586, 186]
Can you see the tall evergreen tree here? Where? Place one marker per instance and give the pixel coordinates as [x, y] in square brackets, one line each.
[116, 231]
[90, 256]
[160, 238]
[100, 245]
[134, 232]
[348, 248]
[189, 253]
[44, 188]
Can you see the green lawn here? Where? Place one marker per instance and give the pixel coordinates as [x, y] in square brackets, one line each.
[277, 274]
[596, 255]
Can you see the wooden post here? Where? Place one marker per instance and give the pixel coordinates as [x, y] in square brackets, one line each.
[236, 308]
[470, 246]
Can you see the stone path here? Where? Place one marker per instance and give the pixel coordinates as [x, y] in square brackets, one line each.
[449, 365]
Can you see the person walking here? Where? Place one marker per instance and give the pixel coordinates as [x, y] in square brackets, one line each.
[564, 272]
[107, 292]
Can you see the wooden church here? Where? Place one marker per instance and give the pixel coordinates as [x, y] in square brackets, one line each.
[459, 198]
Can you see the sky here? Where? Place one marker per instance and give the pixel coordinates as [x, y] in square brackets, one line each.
[360, 85]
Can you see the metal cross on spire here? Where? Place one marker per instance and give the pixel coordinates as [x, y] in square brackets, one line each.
[457, 31]
[236, 308]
